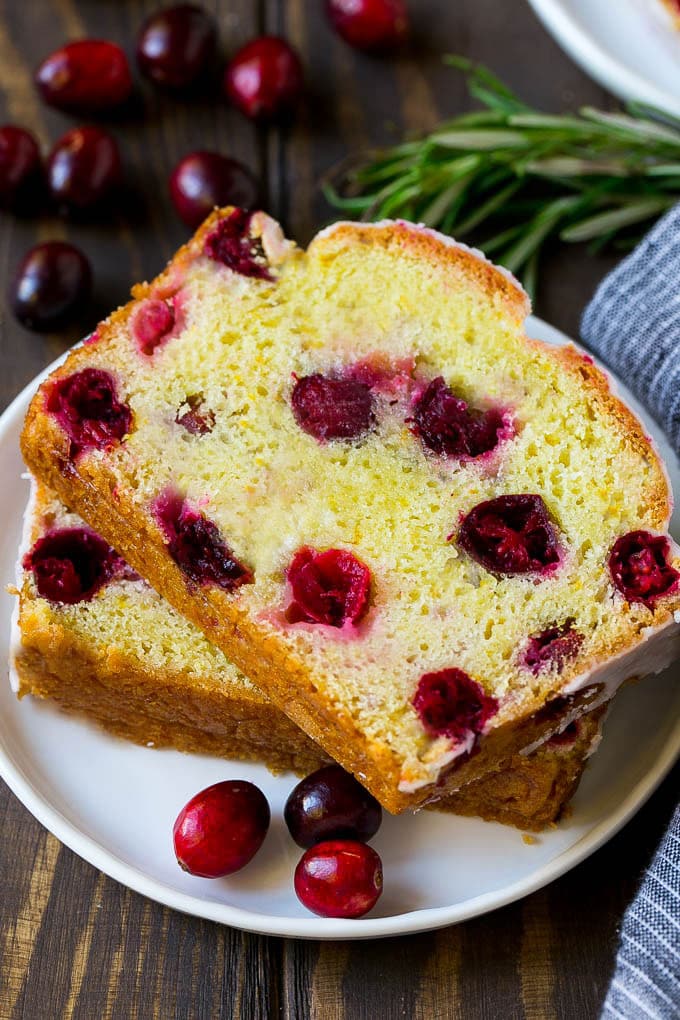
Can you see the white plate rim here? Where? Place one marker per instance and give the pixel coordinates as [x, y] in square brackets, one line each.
[610, 72]
[312, 927]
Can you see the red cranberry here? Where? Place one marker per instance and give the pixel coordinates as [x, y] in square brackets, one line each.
[197, 420]
[85, 77]
[52, 283]
[175, 45]
[511, 535]
[369, 24]
[330, 587]
[331, 804]
[445, 424]
[70, 565]
[203, 180]
[197, 547]
[639, 567]
[328, 408]
[231, 244]
[87, 407]
[339, 878]
[221, 829]
[552, 647]
[264, 78]
[151, 323]
[83, 168]
[450, 703]
[20, 165]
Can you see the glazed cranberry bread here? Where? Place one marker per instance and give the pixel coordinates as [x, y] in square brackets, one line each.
[430, 540]
[97, 640]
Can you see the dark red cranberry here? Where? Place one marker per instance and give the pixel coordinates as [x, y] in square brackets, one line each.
[265, 78]
[369, 24]
[330, 587]
[83, 168]
[151, 324]
[221, 829]
[328, 408]
[87, 407]
[203, 180]
[511, 535]
[87, 76]
[197, 547]
[231, 244]
[51, 285]
[450, 703]
[70, 565]
[198, 420]
[20, 166]
[639, 567]
[339, 878]
[553, 647]
[176, 44]
[331, 804]
[445, 424]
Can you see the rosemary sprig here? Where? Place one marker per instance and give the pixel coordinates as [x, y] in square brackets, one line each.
[511, 179]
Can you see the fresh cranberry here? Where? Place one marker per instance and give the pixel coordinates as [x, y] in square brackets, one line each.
[552, 647]
[176, 44]
[369, 24]
[203, 180]
[231, 244]
[87, 407]
[83, 168]
[330, 587]
[329, 408]
[197, 420]
[221, 829]
[70, 565]
[339, 878]
[511, 535]
[151, 323]
[87, 76]
[264, 78]
[445, 424]
[639, 567]
[197, 547]
[20, 166]
[450, 703]
[331, 804]
[51, 285]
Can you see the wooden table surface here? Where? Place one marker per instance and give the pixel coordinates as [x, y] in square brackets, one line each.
[74, 943]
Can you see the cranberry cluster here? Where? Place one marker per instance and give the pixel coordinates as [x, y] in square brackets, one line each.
[333, 407]
[329, 814]
[175, 49]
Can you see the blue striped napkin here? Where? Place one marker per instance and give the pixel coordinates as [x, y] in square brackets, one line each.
[633, 325]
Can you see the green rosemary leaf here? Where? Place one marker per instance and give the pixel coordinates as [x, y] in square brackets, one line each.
[511, 179]
[602, 223]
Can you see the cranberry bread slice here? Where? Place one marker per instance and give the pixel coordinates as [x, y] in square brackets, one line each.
[97, 640]
[424, 536]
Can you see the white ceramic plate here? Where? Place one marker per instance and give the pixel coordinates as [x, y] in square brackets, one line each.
[631, 47]
[114, 803]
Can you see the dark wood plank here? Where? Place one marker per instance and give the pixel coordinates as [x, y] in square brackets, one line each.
[76, 944]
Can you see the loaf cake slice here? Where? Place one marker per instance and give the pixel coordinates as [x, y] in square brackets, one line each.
[118, 654]
[431, 541]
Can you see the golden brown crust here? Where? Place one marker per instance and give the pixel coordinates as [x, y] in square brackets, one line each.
[429, 247]
[531, 791]
[90, 488]
[175, 710]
